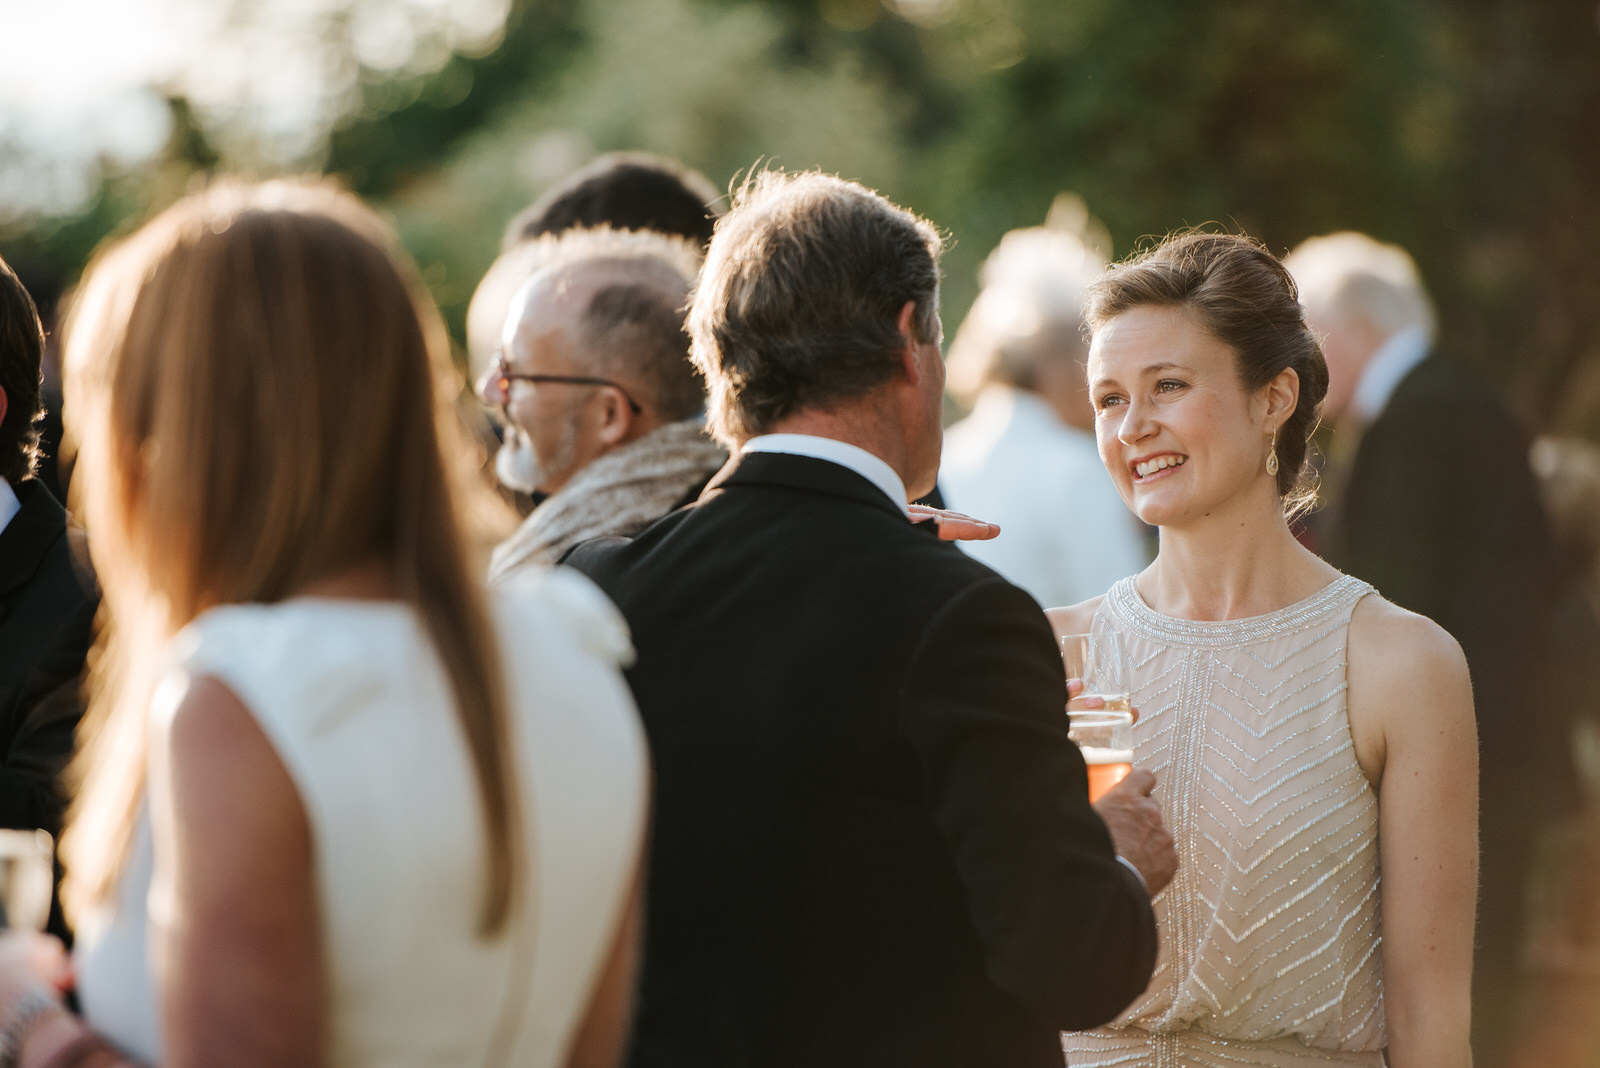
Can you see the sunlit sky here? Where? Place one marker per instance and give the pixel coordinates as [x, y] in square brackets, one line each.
[80, 79]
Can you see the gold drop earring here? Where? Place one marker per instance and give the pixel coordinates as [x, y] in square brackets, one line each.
[1272, 456]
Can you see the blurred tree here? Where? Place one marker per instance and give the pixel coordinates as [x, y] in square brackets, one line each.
[1515, 233]
[404, 125]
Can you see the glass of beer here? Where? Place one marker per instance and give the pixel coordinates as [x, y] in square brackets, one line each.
[1104, 734]
[27, 868]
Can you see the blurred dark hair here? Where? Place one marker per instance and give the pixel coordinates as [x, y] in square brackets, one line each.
[799, 300]
[625, 191]
[1245, 297]
[21, 367]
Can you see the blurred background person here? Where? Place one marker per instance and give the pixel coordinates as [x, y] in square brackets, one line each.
[51, 468]
[1025, 458]
[1430, 497]
[618, 191]
[384, 821]
[625, 191]
[47, 596]
[594, 378]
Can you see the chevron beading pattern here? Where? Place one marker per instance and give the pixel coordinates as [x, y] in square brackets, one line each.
[1270, 931]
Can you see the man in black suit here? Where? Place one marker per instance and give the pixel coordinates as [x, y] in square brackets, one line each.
[46, 604]
[873, 844]
[1430, 496]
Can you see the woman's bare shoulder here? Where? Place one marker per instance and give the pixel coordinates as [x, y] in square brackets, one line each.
[1408, 689]
[1074, 618]
[1388, 638]
[1405, 672]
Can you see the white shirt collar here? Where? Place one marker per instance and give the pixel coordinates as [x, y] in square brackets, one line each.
[9, 505]
[1392, 362]
[872, 468]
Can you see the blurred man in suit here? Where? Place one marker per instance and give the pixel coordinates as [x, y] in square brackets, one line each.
[1026, 457]
[873, 842]
[1430, 496]
[47, 603]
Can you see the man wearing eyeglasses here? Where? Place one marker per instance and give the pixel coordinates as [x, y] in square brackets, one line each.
[602, 408]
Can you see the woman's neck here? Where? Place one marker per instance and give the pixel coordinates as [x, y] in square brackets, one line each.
[1231, 569]
[369, 580]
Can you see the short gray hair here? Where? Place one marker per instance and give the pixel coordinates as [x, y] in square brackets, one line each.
[799, 301]
[631, 327]
[1030, 309]
[1354, 275]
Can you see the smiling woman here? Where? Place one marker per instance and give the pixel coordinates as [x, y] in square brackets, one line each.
[1245, 303]
[1265, 681]
[1179, 432]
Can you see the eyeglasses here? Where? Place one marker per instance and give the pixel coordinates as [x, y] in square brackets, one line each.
[505, 376]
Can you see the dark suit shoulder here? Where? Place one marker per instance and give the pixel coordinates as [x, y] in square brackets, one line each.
[1444, 397]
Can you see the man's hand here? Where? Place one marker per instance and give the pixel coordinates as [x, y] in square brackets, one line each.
[1134, 819]
[953, 526]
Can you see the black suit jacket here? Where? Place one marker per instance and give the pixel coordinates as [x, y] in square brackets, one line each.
[872, 839]
[1441, 513]
[46, 614]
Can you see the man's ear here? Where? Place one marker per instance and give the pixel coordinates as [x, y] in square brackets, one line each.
[2, 404]
[908, 338]
[616, 417]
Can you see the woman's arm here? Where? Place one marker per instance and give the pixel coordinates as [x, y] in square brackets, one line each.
[602, 1036]
[237, 944]
[238, 950]
[1410, 703]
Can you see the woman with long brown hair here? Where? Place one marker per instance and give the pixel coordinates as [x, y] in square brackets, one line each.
[335, 806]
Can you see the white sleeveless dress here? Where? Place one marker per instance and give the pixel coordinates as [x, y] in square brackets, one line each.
[1270, 939]
[359, 709]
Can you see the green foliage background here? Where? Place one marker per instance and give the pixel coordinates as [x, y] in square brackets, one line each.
[1468, 132]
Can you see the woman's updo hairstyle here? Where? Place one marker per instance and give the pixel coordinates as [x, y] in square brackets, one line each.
[1247, 300]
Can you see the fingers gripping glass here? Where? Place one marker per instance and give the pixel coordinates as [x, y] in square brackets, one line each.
[1104, 734]
[505, 376]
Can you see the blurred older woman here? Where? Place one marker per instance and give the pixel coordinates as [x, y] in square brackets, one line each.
[336, 807]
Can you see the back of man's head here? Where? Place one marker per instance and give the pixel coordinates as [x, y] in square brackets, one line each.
[1028, 317]
[800, 296]
[631, 290]
[617, 191]
[624, 191]
[21, 359]
[1352, 277]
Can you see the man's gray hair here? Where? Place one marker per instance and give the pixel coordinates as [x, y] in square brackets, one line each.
[1029, 309]
[799, 301]
[631, 327]
[1355, 276]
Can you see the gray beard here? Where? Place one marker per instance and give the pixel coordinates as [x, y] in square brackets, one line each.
[517, 464]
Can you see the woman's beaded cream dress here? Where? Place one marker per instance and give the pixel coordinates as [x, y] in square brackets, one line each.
[1270, 930]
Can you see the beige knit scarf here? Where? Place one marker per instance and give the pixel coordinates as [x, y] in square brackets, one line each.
[621, 493]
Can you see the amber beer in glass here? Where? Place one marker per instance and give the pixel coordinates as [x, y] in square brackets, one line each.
[1105, 738]
[1104, 734]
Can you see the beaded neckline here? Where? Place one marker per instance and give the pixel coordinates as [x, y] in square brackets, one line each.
[1124, 600]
